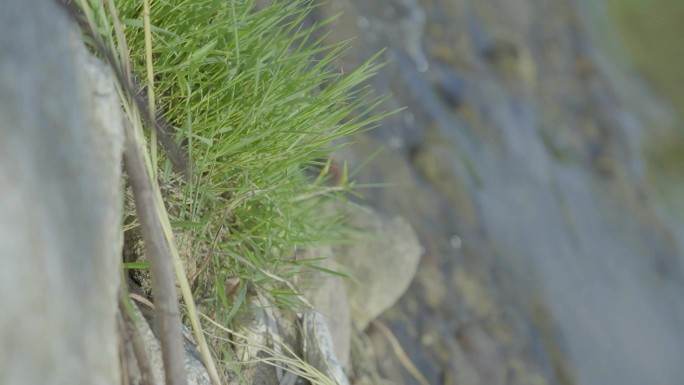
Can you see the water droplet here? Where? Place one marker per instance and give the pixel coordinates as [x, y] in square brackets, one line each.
[455, 242]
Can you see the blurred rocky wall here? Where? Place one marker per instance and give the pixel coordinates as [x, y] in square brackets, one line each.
[60, 202]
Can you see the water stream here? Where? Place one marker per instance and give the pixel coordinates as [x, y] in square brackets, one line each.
[549, 257]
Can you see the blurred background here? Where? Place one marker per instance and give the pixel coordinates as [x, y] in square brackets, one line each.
[540, 158]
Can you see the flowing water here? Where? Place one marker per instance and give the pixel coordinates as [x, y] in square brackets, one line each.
[551, 254]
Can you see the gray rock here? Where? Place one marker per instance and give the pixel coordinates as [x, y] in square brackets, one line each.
[197, 373]
[60, 203]
[326, 293]
[319, 350]
[382, 261]
[267, 337]
[262, 336]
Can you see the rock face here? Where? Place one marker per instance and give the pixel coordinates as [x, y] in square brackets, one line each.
[197, 373]
[60, 203]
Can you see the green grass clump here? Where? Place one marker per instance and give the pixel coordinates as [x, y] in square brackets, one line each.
[254, 100]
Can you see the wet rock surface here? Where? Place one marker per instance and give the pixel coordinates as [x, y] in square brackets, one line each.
[548, 257]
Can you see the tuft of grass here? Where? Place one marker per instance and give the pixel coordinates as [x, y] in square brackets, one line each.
[253, 98]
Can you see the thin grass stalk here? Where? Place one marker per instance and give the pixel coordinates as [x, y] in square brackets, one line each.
[124, 60]
[150, 83]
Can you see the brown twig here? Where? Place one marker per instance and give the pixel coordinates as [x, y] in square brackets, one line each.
[167, 315]
[404, 359]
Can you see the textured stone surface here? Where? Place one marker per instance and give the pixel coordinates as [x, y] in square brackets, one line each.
[266, 334]
[60, 203]
[260, 333]
[197, 373]
[319, 350]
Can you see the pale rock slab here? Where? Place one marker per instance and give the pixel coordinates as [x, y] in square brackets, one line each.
[381, 261]
[61, 140]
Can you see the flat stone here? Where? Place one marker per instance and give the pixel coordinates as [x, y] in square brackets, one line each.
[381, 261]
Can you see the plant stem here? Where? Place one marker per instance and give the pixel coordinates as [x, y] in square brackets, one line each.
[150, 83]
